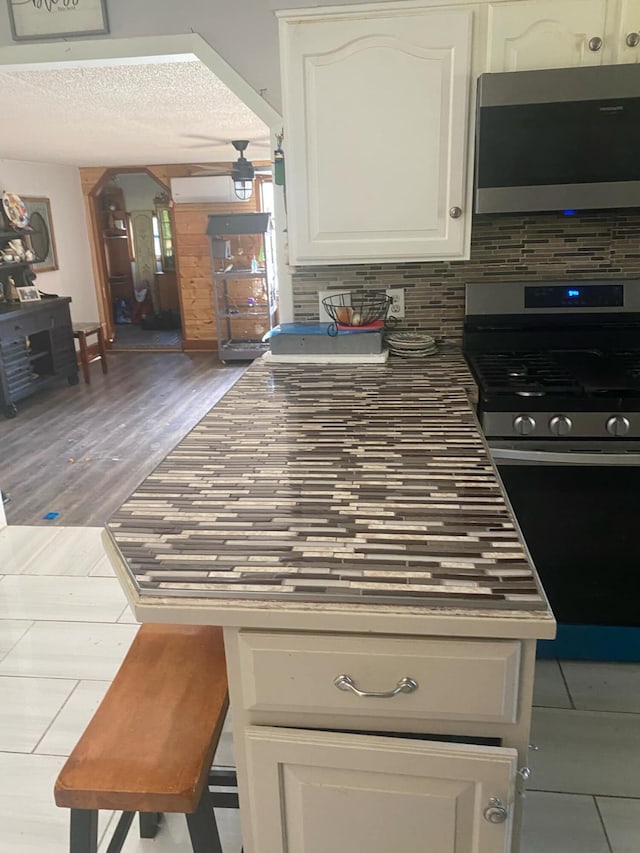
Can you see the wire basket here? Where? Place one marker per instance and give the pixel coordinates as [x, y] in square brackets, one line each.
[357, 309]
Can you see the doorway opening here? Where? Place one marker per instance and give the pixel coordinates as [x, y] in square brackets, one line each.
[140, 298]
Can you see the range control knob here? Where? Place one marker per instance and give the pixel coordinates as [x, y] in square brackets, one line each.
[618, 425]
[524, 424]
[560, 425]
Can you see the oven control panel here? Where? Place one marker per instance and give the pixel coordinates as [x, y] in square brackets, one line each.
[551, 424]
[574, 296]
[555, 425]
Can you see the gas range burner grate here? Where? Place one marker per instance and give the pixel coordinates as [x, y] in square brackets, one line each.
[526, 374]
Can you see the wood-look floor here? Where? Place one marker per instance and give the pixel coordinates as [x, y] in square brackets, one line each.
[80, 451]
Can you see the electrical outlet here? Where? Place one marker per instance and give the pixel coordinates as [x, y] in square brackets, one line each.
[396, 309]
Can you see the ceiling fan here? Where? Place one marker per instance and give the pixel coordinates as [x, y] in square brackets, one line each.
[242, 172]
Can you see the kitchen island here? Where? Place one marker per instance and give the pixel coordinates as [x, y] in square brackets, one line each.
[347, 527]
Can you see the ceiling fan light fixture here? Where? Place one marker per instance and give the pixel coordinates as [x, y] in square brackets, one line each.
[243, 189]
[242, 172]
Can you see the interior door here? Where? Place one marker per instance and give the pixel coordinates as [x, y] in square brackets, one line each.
[330, 792]
[143, 249]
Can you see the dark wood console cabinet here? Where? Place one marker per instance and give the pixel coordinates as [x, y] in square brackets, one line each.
[36, 349]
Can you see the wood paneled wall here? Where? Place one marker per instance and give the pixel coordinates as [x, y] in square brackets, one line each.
[194, 268]
[193, 263]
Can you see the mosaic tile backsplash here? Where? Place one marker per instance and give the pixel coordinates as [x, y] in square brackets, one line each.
[517, 247]
[365, 484]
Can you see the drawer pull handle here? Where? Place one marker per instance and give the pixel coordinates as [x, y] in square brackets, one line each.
[405, 685]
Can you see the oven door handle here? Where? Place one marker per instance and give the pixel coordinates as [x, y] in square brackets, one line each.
[563, 457]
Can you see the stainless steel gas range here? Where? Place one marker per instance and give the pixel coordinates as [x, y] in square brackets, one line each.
[558, 371]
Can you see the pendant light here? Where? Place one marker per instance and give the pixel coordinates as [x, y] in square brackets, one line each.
[242, 172]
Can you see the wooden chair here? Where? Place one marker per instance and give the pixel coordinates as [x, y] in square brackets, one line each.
[81, 331]
[150, 745]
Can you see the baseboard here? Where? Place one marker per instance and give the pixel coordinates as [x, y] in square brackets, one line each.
[592, 642]
[204, 344]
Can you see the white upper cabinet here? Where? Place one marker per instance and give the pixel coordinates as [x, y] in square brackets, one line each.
[628, 32]
[525, 35]
[376, 128]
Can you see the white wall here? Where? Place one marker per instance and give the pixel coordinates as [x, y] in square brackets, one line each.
[61, 185]
[139, 190]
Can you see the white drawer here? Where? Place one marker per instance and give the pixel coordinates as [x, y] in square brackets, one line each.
[457, 679]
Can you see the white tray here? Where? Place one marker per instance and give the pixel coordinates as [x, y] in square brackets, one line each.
[345, 358]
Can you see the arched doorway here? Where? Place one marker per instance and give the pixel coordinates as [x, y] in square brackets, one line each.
[136, 265]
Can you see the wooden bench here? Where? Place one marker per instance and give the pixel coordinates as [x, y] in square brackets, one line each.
[150, 745]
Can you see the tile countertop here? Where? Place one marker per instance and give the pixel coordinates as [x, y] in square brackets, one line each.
[353, 497]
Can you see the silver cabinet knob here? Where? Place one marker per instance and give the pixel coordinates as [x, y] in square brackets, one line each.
[618, 425]
[455, 212]
[632, 39]
[560, 425]
[524, 424]
[595, 43]
[495, 811]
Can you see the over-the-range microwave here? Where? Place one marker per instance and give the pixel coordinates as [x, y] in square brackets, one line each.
[559, 139]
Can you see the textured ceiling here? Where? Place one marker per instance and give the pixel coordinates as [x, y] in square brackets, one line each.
[175, 112]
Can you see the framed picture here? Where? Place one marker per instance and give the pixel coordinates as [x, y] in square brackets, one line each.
[28, 294]
[47, 19]
[41, 239]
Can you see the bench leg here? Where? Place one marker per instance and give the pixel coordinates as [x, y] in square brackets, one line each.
[223, 777]
[120, 833]
[203, 828]
[84, 357]
[84, 831]
[102, 349]
[149, 822]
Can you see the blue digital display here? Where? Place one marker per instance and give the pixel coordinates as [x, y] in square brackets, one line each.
[575, 297]
[569, 212]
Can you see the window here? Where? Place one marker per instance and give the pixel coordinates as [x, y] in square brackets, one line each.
[163, 239]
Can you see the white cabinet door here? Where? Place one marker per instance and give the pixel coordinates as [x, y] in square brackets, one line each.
[376, 112]
[526, 35]
[327, 792]
[628, 35]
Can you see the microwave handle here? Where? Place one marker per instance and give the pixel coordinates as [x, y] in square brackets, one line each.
[562, 457]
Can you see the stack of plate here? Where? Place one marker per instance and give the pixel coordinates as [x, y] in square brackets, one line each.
[410, 344]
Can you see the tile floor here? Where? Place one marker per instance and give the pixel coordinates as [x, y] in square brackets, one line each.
[65, 627]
